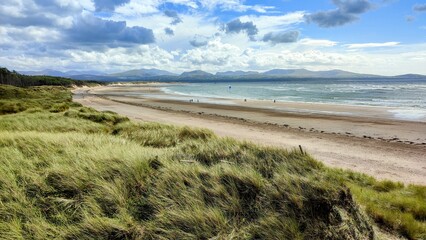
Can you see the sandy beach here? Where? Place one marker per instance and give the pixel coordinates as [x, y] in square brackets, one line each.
[363, 139]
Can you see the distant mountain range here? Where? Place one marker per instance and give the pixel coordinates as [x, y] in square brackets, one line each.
[198, 75]
[143, 73]
[303, 73]
[50, 72]
[131, 75]
[236, 73]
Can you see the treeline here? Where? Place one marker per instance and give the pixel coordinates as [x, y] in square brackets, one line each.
[19, 80]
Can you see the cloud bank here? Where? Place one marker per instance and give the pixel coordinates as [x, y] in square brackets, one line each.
[219, 35]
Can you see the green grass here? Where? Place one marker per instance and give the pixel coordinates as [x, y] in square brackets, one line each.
[54, 99]
[391, 205]
[76, 173]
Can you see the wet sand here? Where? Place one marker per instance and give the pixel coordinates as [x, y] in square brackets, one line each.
[364, 139]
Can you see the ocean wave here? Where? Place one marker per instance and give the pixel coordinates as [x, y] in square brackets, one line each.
[402, 94]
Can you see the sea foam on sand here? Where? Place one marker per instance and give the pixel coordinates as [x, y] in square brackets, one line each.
[409, 114]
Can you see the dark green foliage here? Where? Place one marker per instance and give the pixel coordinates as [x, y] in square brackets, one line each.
[15, 79]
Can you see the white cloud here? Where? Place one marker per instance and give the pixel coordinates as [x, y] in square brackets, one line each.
[371, 45]
[214, 55]
[192, 26]
[274, 23]
[189, 3]
[313, 59]
[317, 42]
[29, 34]
[15, 8]
[27, 62]
[138, 8]
[124, 58]
[233, 5]
[221, 56]
[78, 5]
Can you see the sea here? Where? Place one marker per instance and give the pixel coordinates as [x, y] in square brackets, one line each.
[405, 97]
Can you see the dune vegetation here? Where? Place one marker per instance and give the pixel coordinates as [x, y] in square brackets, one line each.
[71, 172]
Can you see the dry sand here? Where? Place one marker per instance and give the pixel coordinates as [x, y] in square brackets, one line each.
[368, 141]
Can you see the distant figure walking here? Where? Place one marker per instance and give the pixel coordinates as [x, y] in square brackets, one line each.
[274, 101]
[245, 100]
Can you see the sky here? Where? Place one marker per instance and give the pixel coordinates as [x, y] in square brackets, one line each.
[386, 37]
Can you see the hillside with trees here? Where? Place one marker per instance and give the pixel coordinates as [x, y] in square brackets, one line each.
[15, 79]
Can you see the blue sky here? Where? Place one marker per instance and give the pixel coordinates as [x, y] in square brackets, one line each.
[385, 37]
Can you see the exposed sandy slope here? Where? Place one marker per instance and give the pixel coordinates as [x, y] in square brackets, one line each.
[385, 159]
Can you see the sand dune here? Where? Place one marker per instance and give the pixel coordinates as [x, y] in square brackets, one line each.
[369, 142]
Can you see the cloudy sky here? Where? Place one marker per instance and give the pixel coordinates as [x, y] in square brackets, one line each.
[370, 36]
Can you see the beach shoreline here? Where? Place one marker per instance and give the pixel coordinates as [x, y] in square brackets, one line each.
[371, 143]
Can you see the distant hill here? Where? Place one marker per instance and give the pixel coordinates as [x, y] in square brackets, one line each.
[410, 76]
[236, 73]
[143, 73]
[303, 73]
[73, 73]
[286, 71]
[196, 73]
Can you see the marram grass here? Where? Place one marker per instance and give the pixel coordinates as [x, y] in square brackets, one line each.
[75, 173]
